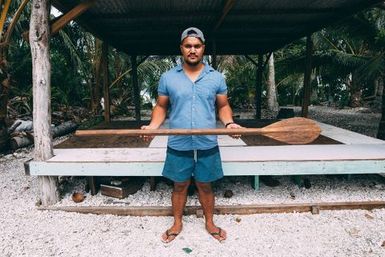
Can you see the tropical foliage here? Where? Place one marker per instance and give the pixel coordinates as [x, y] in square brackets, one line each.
[348, 68]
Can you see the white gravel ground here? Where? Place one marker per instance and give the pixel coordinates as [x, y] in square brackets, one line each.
[324, 189]
[26, 231]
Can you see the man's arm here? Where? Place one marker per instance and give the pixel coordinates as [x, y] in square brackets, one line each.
[224, 110]
[226, 114]
[158, 113]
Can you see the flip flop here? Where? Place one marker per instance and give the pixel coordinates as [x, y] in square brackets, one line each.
[218, 234]
[169, 234]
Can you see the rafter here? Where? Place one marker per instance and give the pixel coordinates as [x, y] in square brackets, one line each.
[381, 5]
[71, 15]
[226, 9]
[63, 20]
[140, 14]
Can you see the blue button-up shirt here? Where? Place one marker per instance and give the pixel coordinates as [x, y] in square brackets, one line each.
[192, 105]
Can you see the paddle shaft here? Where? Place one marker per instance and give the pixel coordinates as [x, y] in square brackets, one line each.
[295, 130]
[168, 132]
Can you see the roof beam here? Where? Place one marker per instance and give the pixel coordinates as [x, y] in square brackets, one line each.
[238, 12]
[235, 24]
[226, 9]
[247, 48]
[225, 33]
[71, 15]
[381, 5]
[63, 20]
[232, 37]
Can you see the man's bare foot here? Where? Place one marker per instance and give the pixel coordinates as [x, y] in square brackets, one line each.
[171, 233]
[216, 232]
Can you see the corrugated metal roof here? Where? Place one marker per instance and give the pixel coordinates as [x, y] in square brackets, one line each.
[251, 26]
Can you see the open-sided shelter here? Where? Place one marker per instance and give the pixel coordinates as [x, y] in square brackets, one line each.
[153, 28]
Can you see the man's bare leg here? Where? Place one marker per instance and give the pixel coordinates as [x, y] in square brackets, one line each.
[178, 200]
[207, 200]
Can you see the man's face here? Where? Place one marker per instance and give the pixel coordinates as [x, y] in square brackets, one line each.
[192, 50]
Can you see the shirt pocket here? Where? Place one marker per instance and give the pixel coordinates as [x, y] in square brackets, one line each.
[205, 93]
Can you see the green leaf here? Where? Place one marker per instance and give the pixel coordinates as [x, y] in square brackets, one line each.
[187, 250]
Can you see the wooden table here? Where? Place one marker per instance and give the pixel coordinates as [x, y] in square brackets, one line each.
[358, 154]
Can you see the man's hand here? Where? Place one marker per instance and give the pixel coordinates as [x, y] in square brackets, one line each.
[233, 126]
[147, 137]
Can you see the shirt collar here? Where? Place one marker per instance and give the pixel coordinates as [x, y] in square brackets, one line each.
[206, 69]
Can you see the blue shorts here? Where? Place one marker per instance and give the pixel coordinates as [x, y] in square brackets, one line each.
[204, 165]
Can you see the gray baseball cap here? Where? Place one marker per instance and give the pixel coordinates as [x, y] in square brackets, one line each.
[192, 32]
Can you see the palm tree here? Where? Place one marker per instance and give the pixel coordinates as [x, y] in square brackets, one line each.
[272, 102]
[13, 12]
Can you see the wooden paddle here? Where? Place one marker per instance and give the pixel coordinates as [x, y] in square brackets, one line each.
[291, 131]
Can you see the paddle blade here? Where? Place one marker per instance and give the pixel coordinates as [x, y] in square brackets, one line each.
[294, 131]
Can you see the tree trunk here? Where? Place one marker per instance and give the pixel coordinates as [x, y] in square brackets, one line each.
[4, 89]
[4, 135]
[41, 79]
[96, 83]
[5, 79]
[135, 86]
[307, 77]
[58, 131]
[258, 88]
[272, 102]
[355, 98]
[355, 92]
[5, 85]
[380, 88]
[106, 83]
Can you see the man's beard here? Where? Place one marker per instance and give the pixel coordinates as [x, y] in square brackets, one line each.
[195, 63]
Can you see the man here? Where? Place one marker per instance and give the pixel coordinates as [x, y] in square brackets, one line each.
[192, 90]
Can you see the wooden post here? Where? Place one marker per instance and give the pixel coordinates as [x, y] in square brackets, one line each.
[214, 55]
[41, 79]
[134, 76]
[96, 85]
[255, 183]
[381, 129]
[4, 95]
[272, 101]
[307, 77]
[106, 84]
[258, 88]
